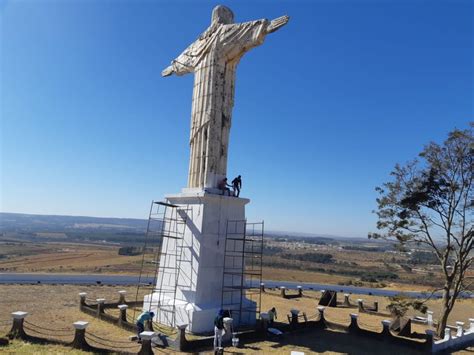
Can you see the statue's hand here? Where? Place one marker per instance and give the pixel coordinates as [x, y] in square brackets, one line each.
[277, 23]
[168, 71]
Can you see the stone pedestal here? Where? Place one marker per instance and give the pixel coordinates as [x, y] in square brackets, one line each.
[201, 261]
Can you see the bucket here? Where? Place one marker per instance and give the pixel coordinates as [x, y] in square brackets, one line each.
[235, 342]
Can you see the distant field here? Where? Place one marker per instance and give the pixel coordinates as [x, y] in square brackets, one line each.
[59, 257]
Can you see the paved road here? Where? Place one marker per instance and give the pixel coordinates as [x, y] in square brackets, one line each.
[15, 278]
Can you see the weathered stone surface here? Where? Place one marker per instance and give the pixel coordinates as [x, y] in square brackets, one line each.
[213, 58]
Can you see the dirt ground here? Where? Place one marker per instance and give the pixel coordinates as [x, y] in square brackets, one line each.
[56, 307]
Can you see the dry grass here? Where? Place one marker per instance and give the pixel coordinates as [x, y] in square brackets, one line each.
[67, 257]
[57, 307]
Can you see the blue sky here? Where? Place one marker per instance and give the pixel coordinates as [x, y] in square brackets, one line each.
[323, 110]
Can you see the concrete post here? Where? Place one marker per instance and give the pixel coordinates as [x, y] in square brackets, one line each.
[79, 341]
[429, 318]
[471, 324]
[122, 294]
[100, 306]
[354, 326]
[360, 304]
[146, 337]
[82, 301]
[283, 291]
[430, 336]
[17, 330]
[262, 287]
[447, 334]
[386, 327]
[123, 313]
[294, 316]
[460, 329]
[321, 313]
[300, 291]
[346, 300]
[180, 341]
[376, 306]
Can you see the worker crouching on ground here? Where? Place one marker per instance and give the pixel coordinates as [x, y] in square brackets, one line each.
[218, 331]
[142, 318]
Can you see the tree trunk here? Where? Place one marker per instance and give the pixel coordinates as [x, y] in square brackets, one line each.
[443, 320]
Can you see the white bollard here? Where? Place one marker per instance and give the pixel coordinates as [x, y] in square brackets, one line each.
[429, 317]
[471, 324]
[100, 300]
[447, 334]
[460, 329]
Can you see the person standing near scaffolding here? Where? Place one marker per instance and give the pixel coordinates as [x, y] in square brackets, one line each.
[237, 185]
[142, 318]
[272, 315]
[218, 331]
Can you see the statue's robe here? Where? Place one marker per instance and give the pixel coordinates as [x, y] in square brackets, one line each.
[213, 58]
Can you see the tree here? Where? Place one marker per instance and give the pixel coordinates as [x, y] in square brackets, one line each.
[430, 202]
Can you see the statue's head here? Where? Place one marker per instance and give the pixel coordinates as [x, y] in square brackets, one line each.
[223, 15]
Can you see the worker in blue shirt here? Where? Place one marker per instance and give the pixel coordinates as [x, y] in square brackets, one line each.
[142, 318]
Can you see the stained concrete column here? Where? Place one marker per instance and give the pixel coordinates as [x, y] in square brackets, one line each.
[82, 301]
[360, 304]
[79, 341]
[386, 327]
[347, 303]
[100, 306]
[354, 326]
[122, 294]
[146, 337]
[17, 330]
[300, 291]
[283, 291]
[262, 287]
[123, 313]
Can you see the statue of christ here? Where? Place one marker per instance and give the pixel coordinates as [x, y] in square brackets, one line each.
[213, 59]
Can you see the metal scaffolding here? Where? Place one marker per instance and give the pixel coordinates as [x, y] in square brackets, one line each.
[242, 275]
[163, 253]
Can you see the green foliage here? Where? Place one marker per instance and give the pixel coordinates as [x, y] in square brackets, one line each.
[320, 258]
[130, 251]
[430, 202]
[399, 305]
[423, 258]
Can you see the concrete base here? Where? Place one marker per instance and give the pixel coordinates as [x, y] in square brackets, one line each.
[201, 262]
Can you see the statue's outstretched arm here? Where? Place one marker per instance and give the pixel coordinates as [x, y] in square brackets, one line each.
[168, 71]
[277, 23]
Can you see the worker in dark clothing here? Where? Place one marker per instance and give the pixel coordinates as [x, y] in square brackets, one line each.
[237, 185]
[223, 186]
